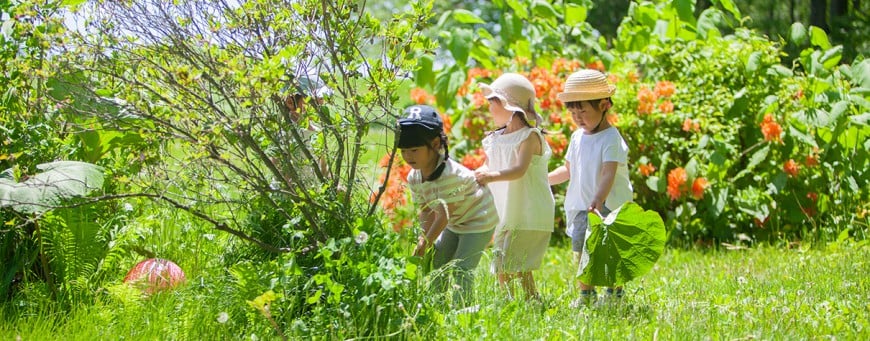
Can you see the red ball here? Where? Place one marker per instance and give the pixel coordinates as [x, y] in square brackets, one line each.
[155, 274]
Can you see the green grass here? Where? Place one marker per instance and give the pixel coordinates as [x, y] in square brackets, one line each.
[761, 293]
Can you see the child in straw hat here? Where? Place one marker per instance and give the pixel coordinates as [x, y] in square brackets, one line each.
[595, 163]
[516, 173]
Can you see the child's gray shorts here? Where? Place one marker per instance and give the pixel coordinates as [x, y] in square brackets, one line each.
[580, 224]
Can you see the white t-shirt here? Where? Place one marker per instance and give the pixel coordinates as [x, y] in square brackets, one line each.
[525, 203]
[586, 154]
[469, 205]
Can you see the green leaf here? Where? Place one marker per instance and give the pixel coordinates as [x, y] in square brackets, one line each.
[753, 63]
[832, 57]
[685, 10]
[757, 157]
[425, 75]
[59, 180]
[519, 8]
[466, 17]
[447, 84]
[521, 49]
[460, 44]
[575, 14]
[624, 246]
[544, 10]
[798, 34]
[483, 55]
[656, 184]
[708, 23]
[861, 74]
[779, 70]
[819, 38]
[729, 6]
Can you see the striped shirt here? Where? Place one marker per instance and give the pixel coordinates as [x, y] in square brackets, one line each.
[469, 206]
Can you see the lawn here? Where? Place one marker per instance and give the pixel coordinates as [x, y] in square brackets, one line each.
[755, 293]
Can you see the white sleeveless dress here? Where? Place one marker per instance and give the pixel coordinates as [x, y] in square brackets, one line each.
[525, 206]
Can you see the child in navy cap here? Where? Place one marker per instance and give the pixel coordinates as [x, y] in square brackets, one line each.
[457, 214]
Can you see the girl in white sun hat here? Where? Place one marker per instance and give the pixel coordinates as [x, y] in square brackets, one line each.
[595, 163]
[516, 173]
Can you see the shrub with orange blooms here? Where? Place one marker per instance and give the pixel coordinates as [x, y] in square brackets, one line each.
[771, 130]
[394, 197]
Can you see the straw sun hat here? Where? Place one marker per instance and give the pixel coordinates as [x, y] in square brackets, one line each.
[516, 92]
[585, 85]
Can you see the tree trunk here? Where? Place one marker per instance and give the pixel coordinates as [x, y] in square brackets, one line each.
[839, 8]
[819, 14]
[791, 11]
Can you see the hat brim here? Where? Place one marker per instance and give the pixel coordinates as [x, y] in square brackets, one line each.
[488, 93]
[576, 96]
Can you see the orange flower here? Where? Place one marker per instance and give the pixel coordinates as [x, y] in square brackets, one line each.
[557, 143]
[813, 196]
[698, 187]
[771, 130]
[474, 160]
[646, 169]
[666, 107]
[479, 101]
[612, 118]
[791, 168]
[799, 94]
[676, 179]
[448, 123]
[812, 160]
[645, 100]
[632, 77]
[597, 65]
[555, 118]
[665, 89]
[420, 96]
[687, 124]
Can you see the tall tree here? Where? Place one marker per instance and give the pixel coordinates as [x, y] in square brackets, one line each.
[819, 14]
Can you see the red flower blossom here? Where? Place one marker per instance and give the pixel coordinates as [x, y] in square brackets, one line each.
[676, 179]
[813, 196]
[475, 160]
[664, 89]
[420, 96]
[698, 187]
[771, 130]
[666, 107]
[646, 169]
[791, 168]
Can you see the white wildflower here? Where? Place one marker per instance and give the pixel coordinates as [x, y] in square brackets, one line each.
[362, 237]
[128, 207]
[223, 317]
[742, 280]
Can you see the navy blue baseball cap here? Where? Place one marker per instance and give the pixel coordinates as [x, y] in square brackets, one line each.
[420, 125]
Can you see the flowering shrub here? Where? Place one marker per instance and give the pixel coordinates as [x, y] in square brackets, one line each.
[724, 140]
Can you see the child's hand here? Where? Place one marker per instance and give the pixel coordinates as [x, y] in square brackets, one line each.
[422, 245]
[596, 207]
[483, 178]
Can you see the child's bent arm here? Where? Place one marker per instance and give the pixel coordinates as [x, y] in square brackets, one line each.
[433, 220]
[605, 183]
[531, 146]
[560, 174]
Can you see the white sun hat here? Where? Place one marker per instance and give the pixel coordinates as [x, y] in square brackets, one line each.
[585, 85]
[516, 93]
